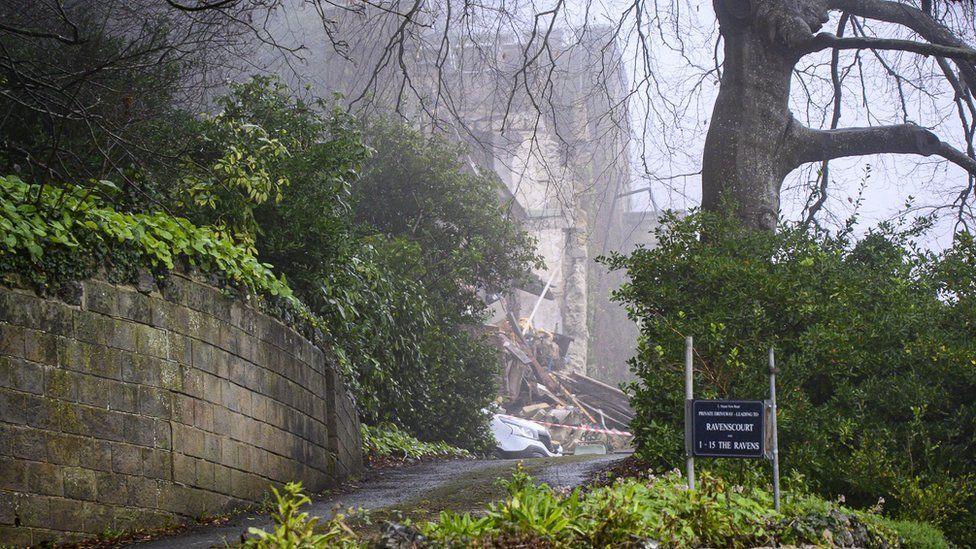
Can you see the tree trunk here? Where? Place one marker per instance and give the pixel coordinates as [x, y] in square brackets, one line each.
[748, 149]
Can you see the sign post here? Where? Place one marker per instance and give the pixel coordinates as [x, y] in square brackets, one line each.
[730, 428]
[772, 425]
[689, 398]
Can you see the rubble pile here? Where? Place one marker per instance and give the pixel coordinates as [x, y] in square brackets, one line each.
[581, 412]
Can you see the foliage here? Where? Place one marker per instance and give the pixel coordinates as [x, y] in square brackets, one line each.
[396, 305]
[632, 512]
[419, 187]
[294, 529]
[387, 441]
[919, 535]
[243, 175]
[48, 231]
[874, 339]
[273, 175]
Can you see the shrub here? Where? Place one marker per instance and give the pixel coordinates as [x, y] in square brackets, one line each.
[632, 512]
[874, 339]
[334, 219]
[296, 530]
[919, 535]
[387, 441]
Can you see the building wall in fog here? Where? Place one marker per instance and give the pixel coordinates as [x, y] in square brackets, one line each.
[562, 167]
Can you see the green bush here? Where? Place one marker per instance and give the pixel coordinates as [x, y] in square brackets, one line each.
[387, 245]
[919, 535]
[631, 512]
[875, 339]
[388, 441]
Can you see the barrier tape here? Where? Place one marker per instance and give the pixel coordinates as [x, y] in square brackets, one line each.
[581, 428]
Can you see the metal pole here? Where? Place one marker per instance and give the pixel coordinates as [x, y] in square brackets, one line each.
[689, 395]
[772, 422]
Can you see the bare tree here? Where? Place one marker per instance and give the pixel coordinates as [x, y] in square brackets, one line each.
[84, 83]
[754, 140]
[780, 102]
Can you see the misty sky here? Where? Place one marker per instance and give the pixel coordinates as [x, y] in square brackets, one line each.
[672, 149]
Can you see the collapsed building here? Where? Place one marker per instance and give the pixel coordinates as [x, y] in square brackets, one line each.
[556, 135]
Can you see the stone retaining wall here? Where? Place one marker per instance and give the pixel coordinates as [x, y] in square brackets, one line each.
[128, 409]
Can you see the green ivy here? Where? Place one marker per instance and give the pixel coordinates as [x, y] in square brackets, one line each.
[72, 223]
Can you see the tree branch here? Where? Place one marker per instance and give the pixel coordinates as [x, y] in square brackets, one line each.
[913, 18]
[826, 40]
[820, 145]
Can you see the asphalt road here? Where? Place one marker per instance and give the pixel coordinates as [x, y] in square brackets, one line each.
[418, 491]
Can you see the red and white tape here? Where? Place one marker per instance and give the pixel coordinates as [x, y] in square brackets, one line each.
[582, 428]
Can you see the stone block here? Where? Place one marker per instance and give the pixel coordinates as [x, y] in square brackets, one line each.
[170, 375]
[111, 488]
[182, 408]
[40, 347]
[184, 468]
[23, 442]
[79, 483]
[203, 356]
[85, 357]
[150, 341]
[143, 492]
[213, 388]
[154, 402]
[126, 459]
[15, 536]
[192, 441]
[22, 375]
[43, 478]
[13, 474]
[228, 452]
[101, 297]
[223, 479]
[64, 449]
[139, 430]
[12, 340]
[8, 507]
[34, 511]
[133, 306]
[100, 423]
[222, 420]
[98, 456]
[180, 349]
[162, 435]
[205, 474]
[13, 406]
[193, 382]
[143, 370]
[124, 396]
[203, 415]
[62, 384]
[174, 289]
[125, 335]
[156, 464]
[51, 414]
[65, 514]
[93, 328]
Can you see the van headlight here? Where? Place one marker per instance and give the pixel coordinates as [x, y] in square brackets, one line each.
[521, 430]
